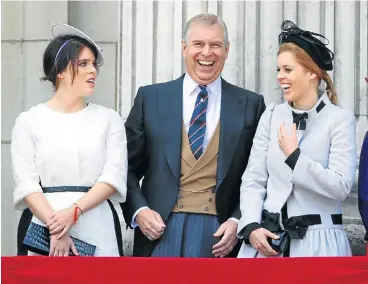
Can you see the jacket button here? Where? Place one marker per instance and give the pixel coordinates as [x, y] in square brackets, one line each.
[206, 208]
[213, 190]
[181, 206]
[210, 199]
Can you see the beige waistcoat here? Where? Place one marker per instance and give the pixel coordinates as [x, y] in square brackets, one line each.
[198, 177]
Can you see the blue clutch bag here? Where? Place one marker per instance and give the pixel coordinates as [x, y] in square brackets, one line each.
[37, 240]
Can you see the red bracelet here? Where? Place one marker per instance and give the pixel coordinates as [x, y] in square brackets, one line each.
[75, 215]
[75, 204]
[75, 219]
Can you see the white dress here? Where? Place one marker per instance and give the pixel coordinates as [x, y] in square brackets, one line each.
[72, 149]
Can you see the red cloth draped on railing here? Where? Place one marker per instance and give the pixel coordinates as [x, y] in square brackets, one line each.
[80, 270]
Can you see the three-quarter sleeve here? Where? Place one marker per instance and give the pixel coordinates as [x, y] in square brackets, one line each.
[23, 152]
[114, 171]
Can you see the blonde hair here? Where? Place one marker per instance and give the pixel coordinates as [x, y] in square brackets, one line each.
[304, 59]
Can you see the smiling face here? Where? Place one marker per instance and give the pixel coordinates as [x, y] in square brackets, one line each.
[205, 52]
[85, 75]
[295, 80]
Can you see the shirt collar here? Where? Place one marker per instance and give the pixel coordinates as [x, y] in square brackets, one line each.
[189, 86]
[313, 112]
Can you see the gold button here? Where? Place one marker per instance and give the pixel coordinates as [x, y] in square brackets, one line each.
[210, 199]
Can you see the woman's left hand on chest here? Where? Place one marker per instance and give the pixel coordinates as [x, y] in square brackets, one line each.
[288, 143]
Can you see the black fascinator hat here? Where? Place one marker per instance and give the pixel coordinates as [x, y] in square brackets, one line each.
[308, 41]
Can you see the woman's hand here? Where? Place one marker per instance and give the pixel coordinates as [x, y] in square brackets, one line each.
[61, 221]
[288, 143]
[258, 239]
[62, 246]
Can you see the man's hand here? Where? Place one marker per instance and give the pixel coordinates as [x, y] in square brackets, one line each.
[150, 223]
[229, 239]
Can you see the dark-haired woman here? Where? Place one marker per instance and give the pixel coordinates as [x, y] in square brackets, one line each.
[303, 160]
[70, 157]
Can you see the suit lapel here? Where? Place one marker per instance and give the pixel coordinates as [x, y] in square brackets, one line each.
[209, 154]
[231, 127]
[186, 152]
[170, 109]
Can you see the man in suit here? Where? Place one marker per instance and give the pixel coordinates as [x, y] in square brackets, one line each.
[190, 139]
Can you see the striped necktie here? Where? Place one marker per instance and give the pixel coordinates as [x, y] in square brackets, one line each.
[197, 128]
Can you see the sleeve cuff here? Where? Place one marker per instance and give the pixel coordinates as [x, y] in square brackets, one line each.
[120, 186]
[293, 158]
[22, 191]
[234, 219]
[247, 230]
[134, 224]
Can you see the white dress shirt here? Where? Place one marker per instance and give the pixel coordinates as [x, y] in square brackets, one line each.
[190, 93]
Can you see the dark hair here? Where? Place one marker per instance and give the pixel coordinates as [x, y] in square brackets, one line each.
[67, 48]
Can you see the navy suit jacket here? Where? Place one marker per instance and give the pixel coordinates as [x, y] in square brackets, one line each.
[363, 183]
[154, 134]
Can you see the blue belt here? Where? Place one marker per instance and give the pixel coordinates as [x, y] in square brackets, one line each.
[65, 189]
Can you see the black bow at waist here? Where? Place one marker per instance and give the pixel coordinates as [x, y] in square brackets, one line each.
[297, 226]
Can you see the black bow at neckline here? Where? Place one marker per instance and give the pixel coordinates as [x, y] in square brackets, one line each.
[299, 120]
